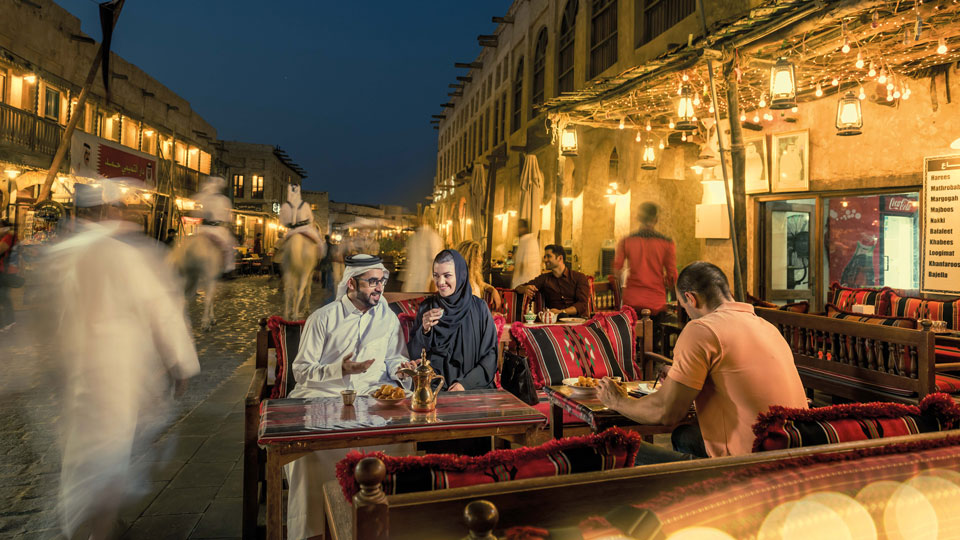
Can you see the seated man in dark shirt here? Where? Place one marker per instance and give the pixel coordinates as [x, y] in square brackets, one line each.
[564, 291]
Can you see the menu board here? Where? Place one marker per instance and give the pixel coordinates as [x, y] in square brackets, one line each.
[941, 225]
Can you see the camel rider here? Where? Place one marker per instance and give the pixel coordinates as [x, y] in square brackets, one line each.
[297, 217]
[215, 212]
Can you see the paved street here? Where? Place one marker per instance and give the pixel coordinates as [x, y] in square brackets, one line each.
[195, 489]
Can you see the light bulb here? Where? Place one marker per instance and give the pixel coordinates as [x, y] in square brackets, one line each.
[859, 63]
[672, 124]
[696, 99]
[883, 77]
[756, 118]
[906, 93]
[638, 136]
[873, 71]
[819, 92]
[684, 137]
[889, 97]
[889, 86]
[763, 102]
[661, 144]
[711, 109]
[862, 94]
[685, 77]
[794, 109]
[942, 46]
[743, 117]
[621, 123]
[896, 94]
[846, 46]
[648, 128]
[835, 82]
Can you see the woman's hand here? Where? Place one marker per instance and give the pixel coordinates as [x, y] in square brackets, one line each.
[456, 387]
[431, 318]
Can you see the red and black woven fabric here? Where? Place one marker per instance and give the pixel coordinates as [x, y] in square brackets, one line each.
[557, 352]
[613, 449]
[846, 297]
[407, 305]
[782, 427]
[919, 308]
[946, 384]
[883, 320]
[620, 327]
[286, 339]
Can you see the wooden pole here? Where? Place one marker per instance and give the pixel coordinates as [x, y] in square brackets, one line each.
[558, 200]
[738, 159]
[74, 118]
[491, 196]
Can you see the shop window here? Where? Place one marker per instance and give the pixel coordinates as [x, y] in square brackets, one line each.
[872, 240]
[148, 140]
[131, 133]
[789, 270]
[204, 162]
[603, 36]
[51, 103]
[3, 86]
[238, 186]
[613, 168]
[180, 153]
[256, 186]
[539, 65]
[518, 95]
[568, 27]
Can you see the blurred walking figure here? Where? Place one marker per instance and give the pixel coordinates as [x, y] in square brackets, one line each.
[527, 258]
[8, 277]
[202, 258]
[124, 346]
[421, 249]
[473, 254]
[651, 259]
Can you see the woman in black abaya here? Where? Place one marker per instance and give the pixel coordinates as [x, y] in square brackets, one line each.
[456, 328]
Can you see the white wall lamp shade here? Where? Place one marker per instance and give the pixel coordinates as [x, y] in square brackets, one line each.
[783, 87]
[568, 141]
[849, 115]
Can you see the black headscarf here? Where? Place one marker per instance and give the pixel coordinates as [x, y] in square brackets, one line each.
[463, 345]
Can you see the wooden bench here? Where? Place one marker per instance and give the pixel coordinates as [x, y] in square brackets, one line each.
[858, 361]
[565, 501]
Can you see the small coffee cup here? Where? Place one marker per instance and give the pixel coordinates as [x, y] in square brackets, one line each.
[348, 396]
[530, 317]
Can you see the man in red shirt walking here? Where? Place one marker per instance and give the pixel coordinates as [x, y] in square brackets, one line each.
[652, 261]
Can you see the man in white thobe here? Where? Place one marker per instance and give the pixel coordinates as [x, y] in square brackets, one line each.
[527, 259]
[296, 215]
[422, 248]
[352, 343]
[125, 342]
[215, 211]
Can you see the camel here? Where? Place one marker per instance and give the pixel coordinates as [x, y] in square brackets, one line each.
[200, 262]
[298, 258]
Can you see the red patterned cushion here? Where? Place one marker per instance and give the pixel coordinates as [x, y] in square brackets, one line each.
[782, 427]
[620, 327]
[612, 449]
[286, 339]
[846, 297]
[946, 384]
[406, 325]
[901, 322]
[556, 352]
[918, 308]
[945, 354]
[407, 305]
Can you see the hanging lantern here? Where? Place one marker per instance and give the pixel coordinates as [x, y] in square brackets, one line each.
[649, 157]
[783, 88]
[686, 117]
[568, 141]
[849, 116]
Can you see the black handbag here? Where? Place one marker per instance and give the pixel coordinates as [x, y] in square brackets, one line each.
[515, 377]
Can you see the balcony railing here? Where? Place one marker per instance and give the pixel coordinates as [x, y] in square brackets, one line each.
[184, 179]
[28, 131]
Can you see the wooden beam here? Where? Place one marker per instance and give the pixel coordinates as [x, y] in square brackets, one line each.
[503, 20]
[455, 85]
[445, 105]
[455, 94]
[441, 116]
[468, 65]
[464, 79]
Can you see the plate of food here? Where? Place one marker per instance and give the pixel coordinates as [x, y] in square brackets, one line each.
[644, 388]
[582, 386]
[389, 394]
[572, 320]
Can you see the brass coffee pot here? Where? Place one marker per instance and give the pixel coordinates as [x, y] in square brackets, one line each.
[424, 396]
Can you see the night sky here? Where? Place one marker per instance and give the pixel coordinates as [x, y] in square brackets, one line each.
[346, 88]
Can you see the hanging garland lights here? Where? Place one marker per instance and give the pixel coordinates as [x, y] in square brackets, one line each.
[818, 62]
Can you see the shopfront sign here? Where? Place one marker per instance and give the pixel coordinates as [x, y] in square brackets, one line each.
[940, 269]
[249, 207]
[96, 158]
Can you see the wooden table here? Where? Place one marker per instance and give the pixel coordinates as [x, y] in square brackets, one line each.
[292, 428]
[596, 415]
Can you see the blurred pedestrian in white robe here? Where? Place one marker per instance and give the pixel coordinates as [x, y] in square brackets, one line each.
[421, 249]
[355, 343]
[124, 344]
[296, 215]
[528, 257]
[215, 211]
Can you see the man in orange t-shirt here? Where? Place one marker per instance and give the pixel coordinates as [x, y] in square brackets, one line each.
[733, 364]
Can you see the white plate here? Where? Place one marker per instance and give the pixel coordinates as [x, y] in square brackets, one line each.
[645, 388]
[580, 390]
[572, 320]
[406, 394]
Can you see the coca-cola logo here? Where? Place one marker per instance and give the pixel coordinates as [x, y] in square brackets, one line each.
[901, 204]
